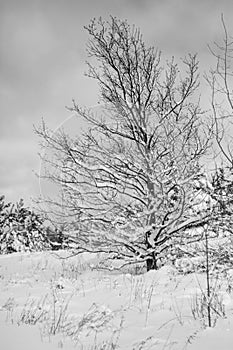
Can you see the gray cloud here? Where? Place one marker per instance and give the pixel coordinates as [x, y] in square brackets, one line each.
[42, 57]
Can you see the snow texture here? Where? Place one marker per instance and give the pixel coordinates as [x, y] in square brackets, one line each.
[48, 302]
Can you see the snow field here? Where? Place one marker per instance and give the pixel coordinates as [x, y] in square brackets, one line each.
[47, 302]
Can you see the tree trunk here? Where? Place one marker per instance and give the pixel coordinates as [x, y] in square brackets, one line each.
[151, 263]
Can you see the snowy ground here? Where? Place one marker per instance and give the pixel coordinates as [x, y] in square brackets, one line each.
[50, 303]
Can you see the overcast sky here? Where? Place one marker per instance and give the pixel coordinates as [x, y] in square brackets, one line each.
[42, 64]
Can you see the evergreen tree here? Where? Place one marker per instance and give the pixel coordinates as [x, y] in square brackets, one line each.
[20, 228]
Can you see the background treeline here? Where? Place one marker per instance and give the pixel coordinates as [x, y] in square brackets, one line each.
[22, 229]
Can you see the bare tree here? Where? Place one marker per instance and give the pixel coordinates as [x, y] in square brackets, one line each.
[220, 80]
[129, 181]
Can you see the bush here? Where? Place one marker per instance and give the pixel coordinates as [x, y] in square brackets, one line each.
[20, 228]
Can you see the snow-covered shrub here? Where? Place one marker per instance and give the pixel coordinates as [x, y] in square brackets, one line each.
[193, 257]
[185, 265]
[20, 229]
[59, 237]
[188, 253]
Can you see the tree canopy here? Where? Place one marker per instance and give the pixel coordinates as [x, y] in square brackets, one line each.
[129, 183]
